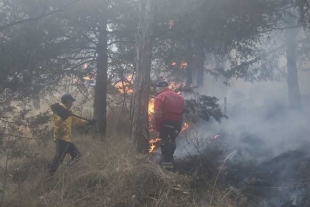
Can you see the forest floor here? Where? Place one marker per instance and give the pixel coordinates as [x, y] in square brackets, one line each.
[109, 174]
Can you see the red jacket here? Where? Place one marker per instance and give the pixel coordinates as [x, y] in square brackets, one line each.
[168, 106]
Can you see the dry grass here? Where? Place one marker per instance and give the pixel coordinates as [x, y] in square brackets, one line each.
[110, 174]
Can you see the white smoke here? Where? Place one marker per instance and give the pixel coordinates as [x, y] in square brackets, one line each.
[258, 110]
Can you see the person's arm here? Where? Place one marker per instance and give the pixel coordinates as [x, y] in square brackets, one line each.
[77, 121]
[158, 112]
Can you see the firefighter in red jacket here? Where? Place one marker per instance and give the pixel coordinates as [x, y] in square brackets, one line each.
[168, 114]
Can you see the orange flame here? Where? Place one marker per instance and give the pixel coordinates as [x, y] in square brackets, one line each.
[87, 78]
[124, 87]
[172, 86]
[151, 113]
[152, 144]
[185, 126]
[183, 64]
[151, 106]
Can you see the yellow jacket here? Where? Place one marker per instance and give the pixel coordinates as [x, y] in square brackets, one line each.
[63, 128]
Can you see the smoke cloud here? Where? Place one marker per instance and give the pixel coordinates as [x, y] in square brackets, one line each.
[256, 111]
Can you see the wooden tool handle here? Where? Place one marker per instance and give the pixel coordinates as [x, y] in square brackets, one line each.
[80, 117]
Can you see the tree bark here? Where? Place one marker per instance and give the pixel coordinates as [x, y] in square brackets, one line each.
[190, 61]
[141, 84]
[200, 59]
[292, 73]
[100, 103]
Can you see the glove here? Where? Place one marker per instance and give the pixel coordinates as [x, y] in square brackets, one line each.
[92, 122]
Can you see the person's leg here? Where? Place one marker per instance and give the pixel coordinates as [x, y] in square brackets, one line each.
[165, 150]
[61, 151]
[169, 132]
[177, 125]
[74, 153]
[166, 138]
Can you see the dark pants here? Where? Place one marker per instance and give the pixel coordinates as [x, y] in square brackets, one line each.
[62, 149]
[169, 130]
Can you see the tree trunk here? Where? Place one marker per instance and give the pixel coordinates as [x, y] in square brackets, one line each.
[100, 103]
[189, 68]
[292, 73]
[200, 59]
[141, 84]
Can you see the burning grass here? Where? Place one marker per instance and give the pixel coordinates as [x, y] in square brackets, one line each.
[153, 143]
[110, 174]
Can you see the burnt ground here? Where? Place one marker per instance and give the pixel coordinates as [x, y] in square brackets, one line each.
[267, 165]
[259, 178]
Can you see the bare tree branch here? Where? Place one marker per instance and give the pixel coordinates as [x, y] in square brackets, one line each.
[44, 14]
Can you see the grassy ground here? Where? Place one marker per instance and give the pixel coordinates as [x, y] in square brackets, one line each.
[109, 174]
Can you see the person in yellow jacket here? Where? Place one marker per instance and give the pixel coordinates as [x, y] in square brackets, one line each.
[62, 136]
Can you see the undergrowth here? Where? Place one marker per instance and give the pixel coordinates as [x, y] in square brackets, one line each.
[110, 174]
